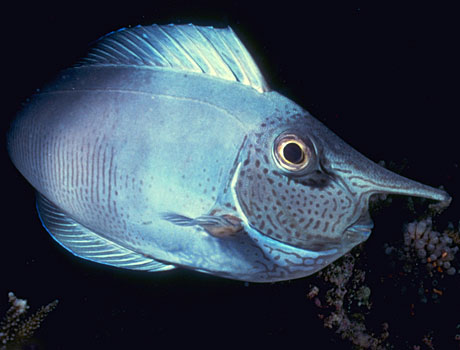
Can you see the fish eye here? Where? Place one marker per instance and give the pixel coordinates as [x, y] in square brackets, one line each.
[291, 153]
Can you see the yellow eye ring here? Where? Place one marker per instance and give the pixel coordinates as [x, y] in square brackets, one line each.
[291, 153]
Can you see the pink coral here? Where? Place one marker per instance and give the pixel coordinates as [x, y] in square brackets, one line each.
[435, 249]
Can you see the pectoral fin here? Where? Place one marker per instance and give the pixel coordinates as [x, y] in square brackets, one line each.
[221, 226]
[89, 245]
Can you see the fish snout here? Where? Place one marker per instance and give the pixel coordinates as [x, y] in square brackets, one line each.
[366, 178]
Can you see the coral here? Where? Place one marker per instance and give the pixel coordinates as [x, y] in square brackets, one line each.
[347, 288]
[435, 249]
[423, 264]
[457, 336]
[15, 329]
[428, 256]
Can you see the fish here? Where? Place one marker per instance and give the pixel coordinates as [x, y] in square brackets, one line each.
[164, 147]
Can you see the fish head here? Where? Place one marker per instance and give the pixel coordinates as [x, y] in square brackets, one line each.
[302, 185]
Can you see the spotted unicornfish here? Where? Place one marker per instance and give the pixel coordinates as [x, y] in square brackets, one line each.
[165, 148]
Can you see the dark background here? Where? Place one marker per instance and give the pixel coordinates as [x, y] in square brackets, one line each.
[383, 77]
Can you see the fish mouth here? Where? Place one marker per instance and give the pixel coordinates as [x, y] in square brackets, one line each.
[358, 232]
[364, 230]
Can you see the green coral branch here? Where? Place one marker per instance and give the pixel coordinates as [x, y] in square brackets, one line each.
[347, 287]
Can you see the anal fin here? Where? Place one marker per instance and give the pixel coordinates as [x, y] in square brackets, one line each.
[86, 244]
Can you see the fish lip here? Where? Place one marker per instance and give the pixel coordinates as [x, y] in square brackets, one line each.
[362, 229]
[363, 225]
[358, 232]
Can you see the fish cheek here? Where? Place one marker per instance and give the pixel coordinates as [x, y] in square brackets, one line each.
[311, 214]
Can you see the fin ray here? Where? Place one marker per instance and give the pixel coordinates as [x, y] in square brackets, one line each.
[86, 244]
[218, 226]
[206, 50]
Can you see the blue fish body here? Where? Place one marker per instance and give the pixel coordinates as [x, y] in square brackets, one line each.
[166, 148]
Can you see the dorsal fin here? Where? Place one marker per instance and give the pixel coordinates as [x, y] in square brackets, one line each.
[207, 50]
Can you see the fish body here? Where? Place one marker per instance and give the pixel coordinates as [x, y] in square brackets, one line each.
[166, 148]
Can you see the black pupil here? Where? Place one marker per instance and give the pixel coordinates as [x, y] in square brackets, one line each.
[293, 153]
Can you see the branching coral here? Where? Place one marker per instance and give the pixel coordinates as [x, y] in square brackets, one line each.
[15, 328]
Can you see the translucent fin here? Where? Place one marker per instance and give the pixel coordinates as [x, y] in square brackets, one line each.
[206, 50]
[218, 226]
[89, 245]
